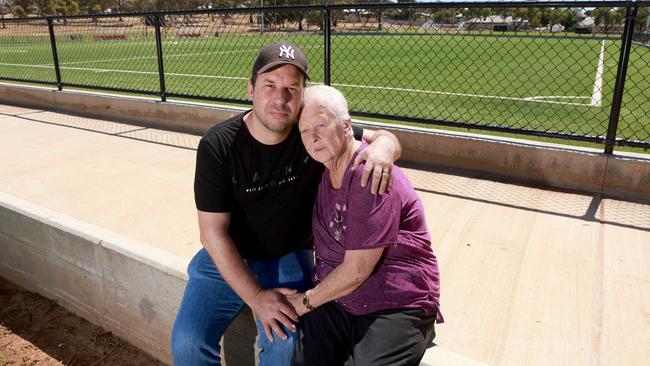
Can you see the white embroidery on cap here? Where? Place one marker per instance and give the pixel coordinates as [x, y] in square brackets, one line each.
[287, 51]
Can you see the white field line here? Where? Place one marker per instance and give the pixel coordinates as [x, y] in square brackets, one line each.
[130, 71]
[23, 65]
[166, 56]
[176, 41]
[527, 99]
[557, 97]
[13, 51]
[596, 95]
[171, 55]
[152, 57]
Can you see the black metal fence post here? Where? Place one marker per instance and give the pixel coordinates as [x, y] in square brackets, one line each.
[55, 54]
[327, 33]
[159, 53]
[619, 88]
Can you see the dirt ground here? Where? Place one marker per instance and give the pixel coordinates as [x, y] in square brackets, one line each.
[36, 331]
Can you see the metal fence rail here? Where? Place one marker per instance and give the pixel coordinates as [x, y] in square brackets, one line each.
[574, 70]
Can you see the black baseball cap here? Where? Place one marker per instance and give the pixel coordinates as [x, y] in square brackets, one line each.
[280, 53]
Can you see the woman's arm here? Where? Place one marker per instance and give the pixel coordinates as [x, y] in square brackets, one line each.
[357, 266]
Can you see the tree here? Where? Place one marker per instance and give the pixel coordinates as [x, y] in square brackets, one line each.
[546, 17]
[569, 19]
[535, 17]
[3, 9]
[72, 7]
[603, 17]
[19, 11]
[618, 16]
[314, 18]
[473, 14]
[554, 18]
[642, 20]
[519, 17]
[406, 13]
[444, 16]
[22, 8]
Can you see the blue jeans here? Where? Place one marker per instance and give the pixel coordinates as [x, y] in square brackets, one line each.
[209, 305]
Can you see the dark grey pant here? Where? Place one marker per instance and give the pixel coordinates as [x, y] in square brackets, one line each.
[331, 336]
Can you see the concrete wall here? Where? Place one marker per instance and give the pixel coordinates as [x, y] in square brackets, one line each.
[125, 286]
[187, 117]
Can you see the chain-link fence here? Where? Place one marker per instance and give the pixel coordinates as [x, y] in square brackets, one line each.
[578, 72]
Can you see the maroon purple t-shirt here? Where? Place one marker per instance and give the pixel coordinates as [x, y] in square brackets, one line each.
[351, 218]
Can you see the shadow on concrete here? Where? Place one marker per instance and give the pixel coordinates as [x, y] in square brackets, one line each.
[139, 133]
[590, 207]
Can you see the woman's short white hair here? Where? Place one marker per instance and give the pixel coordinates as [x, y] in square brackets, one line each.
[329, 98]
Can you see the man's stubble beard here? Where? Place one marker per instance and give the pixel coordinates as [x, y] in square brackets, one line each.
[279, 127]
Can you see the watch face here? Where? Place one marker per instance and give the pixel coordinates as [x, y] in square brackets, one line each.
[305, 302]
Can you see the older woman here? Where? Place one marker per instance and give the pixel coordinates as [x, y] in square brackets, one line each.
[375, 299]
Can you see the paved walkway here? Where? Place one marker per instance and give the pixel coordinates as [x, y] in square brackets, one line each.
[530, 276]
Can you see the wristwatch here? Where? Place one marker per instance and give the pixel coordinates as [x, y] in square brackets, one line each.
[305, 301]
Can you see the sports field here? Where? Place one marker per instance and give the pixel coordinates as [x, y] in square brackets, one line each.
[559, 84]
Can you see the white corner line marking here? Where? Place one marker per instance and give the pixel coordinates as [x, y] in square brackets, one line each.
[596, 95]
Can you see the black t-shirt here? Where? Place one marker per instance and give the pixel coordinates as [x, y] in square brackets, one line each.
[269, 190]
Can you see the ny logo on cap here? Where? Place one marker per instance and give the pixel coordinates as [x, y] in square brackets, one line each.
[287, 51]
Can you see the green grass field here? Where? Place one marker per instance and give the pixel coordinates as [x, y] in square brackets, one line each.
[556, 84]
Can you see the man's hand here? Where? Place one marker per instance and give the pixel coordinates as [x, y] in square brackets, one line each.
[379, 156]
[270, 307]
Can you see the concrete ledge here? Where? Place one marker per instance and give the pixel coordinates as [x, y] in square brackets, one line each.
[627, 176]
[588, 170]
[437, 356]
[123, 285]
[120, 284]
[91, 272]
[194, 118]
[550, 165]
[28, 96]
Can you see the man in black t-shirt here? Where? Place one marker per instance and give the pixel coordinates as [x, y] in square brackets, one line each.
[254, 190]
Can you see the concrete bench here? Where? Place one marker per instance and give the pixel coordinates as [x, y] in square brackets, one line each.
[125, 286]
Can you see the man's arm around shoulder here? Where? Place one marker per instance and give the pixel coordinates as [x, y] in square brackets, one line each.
[383, 149]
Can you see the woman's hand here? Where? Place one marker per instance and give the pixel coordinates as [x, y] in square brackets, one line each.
[296, 301]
